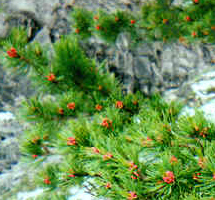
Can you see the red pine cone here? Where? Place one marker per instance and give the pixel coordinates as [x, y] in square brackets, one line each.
[98, 107]
[95, 150]
[194, 34]
[12, 53]
[51, 77]
[132, 195]
[116, 19]
[108, 185]
[133, 21]
[100, 88]
[98, 27]
[132, 166]
[135, 102]
[34, 156]
[173, 160]
[71, 106]
[47, 181]
[96, 17]
[71, 175]
[188, 18]
[169, 177]
[106, 123]
[165, 21]
[107, 156]
[119, 104]
[71, 141]
[61, 111]
[77, 30]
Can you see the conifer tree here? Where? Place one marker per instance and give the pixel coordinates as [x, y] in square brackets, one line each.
[128, 146]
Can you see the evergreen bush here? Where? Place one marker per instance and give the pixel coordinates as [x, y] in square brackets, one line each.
[157, 21]
[128, 146]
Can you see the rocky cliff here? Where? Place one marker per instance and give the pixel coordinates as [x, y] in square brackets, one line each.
[176, 70]
[150, 67]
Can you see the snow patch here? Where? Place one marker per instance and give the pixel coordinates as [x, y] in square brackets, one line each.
[6, 116]
[208, 110]
[78, 193]
[32, 194]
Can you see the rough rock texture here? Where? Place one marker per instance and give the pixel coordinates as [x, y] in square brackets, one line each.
[175, 70]
[20, 178]
[201, 89]
[9, 150]
[154, 67]
[13, 89]
[150, 67]
[53, 15]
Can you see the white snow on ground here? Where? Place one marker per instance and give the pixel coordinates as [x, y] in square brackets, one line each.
[32, 194]
[137, 120]
[201, 89]
[187, 111]
[6, 116]
[78, 193]
[208, 110]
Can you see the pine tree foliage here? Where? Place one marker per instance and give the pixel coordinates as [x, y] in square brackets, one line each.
[109, 26]
[127, 146]
[157, 21]
[104, 25]
[32, 55]
[83, 22]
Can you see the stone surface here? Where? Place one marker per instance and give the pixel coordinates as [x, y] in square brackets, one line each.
[11, 178]
[177, 71]
[149, 67]
[13, 88]
[153, 67]
[3, 26]
[10, 130]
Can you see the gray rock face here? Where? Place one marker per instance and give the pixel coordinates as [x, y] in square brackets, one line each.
[153, 67]
[3, 26]
[9, 150]
[13, 88]
[149, 67]
[10, 179]
[36, 14]
[175, 70]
